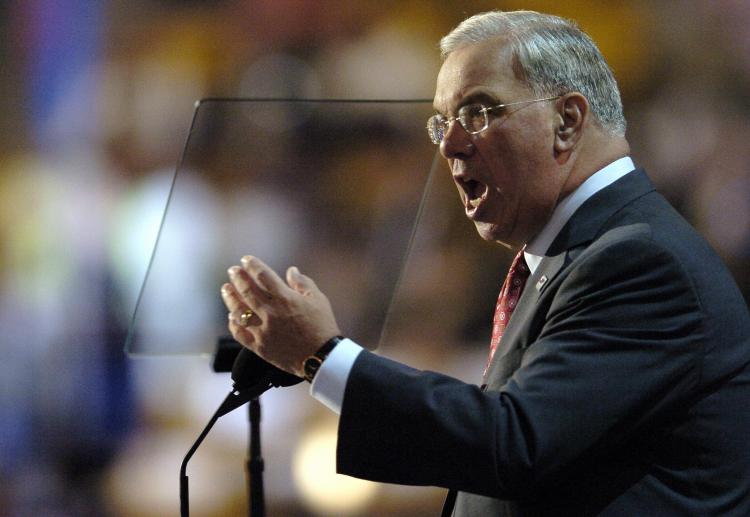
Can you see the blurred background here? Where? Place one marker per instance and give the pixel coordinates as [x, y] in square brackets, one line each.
[97, 99]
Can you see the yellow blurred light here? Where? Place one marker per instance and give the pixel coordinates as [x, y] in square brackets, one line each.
[314, 471]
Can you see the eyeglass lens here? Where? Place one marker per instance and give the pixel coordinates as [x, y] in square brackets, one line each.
[473, 118]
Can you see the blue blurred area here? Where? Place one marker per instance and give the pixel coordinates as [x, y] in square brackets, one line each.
[63, 40]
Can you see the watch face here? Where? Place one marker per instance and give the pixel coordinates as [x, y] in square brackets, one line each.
[312, 364]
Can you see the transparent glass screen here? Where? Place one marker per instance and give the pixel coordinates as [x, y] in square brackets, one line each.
[333, 187]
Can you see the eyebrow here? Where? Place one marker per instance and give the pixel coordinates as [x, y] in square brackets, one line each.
[477, 97]
[480, 97]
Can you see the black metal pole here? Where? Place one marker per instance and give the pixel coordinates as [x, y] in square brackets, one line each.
[255, 466]
[184, 489]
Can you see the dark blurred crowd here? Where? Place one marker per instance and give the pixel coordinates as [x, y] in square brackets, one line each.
[97, 99]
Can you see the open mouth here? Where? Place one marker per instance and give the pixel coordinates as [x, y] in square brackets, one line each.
[476, 193]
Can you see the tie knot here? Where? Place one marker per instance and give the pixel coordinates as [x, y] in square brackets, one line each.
[519, 266]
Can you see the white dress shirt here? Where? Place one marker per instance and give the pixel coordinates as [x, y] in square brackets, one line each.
[329, 383]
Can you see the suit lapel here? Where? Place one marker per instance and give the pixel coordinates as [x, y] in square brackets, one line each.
[583, 227]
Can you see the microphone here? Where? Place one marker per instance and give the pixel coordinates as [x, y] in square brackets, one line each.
[252, 377]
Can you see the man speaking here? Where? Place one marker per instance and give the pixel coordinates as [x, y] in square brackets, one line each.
[618, 378]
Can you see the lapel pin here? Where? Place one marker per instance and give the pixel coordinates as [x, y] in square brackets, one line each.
[541, 282]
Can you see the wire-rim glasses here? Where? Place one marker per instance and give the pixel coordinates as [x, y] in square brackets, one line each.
[474, 118]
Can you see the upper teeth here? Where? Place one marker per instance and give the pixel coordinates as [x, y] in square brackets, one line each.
[475, 202]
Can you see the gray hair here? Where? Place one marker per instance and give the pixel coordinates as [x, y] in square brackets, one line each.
[551, 55]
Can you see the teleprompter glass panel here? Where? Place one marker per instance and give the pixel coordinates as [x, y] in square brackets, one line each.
[333, 187]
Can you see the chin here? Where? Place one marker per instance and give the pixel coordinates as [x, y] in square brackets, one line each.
[489, 232]
[492, 233]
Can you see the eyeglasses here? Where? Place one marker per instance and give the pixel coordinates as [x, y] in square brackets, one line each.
[474, 119]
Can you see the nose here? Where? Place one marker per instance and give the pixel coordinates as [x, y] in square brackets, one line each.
[456, 143]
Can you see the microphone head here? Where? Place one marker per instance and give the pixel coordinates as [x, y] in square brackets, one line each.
[249, 369]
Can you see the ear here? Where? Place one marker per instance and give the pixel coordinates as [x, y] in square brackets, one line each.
[572, 114]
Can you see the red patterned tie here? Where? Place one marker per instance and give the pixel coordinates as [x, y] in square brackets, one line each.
[507, 301]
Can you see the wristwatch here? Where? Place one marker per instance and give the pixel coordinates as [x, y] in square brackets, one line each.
[312, 363]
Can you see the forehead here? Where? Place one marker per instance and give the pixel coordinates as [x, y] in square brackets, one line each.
[478, 71]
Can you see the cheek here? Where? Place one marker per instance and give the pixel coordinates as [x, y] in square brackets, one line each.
[511, 152]
[511, 173]
[526, 184]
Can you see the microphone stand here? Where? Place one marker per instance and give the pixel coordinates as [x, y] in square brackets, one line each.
[184, 487]
[255, 465]
[252, 377]
[235, 399]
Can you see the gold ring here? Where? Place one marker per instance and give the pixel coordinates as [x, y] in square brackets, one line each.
[245, 317]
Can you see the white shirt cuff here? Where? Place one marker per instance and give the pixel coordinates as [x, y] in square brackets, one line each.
[329, 383]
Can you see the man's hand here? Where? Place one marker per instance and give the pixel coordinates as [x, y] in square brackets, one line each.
[284, 323]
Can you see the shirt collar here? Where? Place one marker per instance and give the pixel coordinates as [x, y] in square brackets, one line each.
[537, 247]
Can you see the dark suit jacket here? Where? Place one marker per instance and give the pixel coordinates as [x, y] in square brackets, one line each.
[621, 388]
